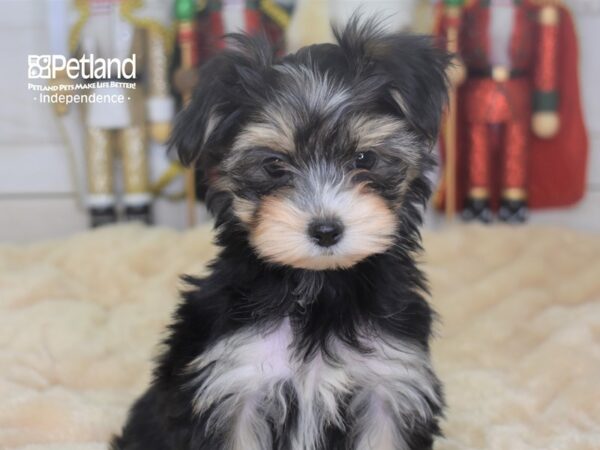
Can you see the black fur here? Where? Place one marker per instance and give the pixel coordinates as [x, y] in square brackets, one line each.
[385, 290]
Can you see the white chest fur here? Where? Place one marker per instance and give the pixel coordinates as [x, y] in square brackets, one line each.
[243, 378]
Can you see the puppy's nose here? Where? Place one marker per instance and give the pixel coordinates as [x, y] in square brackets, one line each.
[326, 232]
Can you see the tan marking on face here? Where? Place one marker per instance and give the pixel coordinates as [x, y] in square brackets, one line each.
[280, 234]
[276, 137]
[388, 132]
[411, 174]
[373, 131]
[221, 183]
[244, 209]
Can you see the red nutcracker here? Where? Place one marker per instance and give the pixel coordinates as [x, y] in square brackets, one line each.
[520, 137]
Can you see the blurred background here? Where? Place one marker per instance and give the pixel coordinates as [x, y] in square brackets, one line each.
[66, 167]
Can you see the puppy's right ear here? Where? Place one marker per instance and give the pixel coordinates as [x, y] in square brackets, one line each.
[204, 130]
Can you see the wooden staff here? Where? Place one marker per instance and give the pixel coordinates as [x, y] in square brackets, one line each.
[185, 11]
[452, 11]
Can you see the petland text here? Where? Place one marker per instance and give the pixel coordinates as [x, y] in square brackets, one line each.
[87, 67]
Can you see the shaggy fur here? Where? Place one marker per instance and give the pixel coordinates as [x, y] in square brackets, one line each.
[291, 342]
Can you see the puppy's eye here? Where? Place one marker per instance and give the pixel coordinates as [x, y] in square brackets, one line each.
[274, 167]
[365, 160]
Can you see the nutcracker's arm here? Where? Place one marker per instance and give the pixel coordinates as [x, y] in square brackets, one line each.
[160, 106]
[545, 120]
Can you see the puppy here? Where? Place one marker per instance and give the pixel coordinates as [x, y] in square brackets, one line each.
[312, 330]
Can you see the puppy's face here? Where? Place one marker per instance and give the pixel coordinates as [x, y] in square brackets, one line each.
[318, 154]
[318, 189]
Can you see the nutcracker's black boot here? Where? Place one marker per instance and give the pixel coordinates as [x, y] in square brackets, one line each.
[513, 211]
[477, 209]
[100, 216]
[139, 213]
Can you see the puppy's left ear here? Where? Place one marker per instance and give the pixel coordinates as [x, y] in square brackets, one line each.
[412, 68]
[419, 86]
[227, 83]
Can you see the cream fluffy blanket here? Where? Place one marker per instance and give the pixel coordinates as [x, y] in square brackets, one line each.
[518, 343]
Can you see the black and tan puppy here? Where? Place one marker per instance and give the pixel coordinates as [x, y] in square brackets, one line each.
[311, 332]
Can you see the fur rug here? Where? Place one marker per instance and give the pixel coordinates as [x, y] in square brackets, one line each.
[518, 341]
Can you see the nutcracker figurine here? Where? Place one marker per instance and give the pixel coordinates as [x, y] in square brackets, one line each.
[120, 29]
[520, 138]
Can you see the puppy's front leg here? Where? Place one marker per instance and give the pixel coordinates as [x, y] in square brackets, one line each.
[247, 427]
[382, 423]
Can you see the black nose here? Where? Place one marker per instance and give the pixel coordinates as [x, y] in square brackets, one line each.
[326, 232]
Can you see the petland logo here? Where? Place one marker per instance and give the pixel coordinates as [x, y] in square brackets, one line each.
[88, 67]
